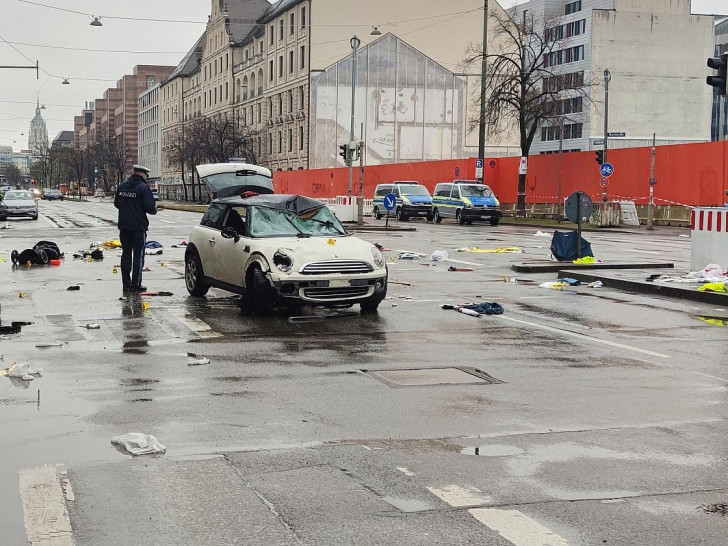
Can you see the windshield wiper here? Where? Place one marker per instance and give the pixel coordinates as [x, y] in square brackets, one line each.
[300, 234]
[327, 223]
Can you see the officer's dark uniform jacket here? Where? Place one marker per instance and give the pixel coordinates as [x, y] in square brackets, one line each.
[134, 200]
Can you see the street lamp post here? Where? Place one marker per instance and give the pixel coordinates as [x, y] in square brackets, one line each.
[355, 42]
[607, 77]
[483, 74]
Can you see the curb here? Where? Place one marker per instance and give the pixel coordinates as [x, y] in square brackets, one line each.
[549, 267]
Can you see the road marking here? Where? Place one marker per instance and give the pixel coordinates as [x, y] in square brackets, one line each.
[167, 221]
[517, 528]
[458, 496]
[198, 326]
[49, 221]
[45, 514]
[406, 471]
[584, 336]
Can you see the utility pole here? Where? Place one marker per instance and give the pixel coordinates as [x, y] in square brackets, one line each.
[360, 200]
[650, 206]
[561, 172]
[607, 77]
[351, 147]
[483, 75]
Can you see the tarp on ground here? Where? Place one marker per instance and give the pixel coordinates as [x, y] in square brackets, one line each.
[564, 246]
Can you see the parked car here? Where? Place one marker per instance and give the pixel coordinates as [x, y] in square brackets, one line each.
[5, 189]
[280, 250]
[465, 201]
[99, 193]
[52, 194]
[18, 203]
[412, 200]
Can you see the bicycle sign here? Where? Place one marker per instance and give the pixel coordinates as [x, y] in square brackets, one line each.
[606, 170]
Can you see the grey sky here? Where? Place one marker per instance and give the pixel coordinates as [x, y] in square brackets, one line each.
[24, 23]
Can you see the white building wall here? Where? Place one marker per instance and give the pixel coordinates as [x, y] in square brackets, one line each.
[150, 134]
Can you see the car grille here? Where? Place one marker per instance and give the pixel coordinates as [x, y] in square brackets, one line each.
[336, 266]
[335, 293]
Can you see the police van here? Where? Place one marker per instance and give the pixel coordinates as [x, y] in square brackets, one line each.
[412, 200]
[465, 201]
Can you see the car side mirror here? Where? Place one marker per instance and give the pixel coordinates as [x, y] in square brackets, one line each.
[230, 233]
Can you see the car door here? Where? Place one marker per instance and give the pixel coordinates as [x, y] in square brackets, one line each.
[455, 201]
[232, 255]
[210, 238]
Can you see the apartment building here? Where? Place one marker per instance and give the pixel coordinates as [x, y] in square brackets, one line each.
[150, 132]
[656, 81]
[719, 113]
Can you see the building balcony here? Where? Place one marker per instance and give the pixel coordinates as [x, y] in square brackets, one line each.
[250, 61]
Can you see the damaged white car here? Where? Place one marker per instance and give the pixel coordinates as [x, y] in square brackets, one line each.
[282, 250]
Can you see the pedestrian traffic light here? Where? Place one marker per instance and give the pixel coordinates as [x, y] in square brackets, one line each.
[344, 153]
[721, 65]
[96, 170]
[600, 156]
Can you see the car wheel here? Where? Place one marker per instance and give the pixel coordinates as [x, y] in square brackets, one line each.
[468, 222]
[43, 256]
[376, 214]
[459, 218]
[194, 275]
[494, 221]
[398, 214]
[34, 217]
[14, 256]
[369, 306]
[430, 217]
[438, 218]
[261, 293]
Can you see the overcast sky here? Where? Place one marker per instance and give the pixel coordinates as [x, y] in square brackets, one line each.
[38, 32]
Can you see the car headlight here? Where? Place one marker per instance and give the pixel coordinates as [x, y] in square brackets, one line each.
[377, 257]
[497, 203]
[282, 261]
[467, 204]
[405, 200]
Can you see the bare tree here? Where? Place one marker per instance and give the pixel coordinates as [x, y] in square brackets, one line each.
[77, 160]
[524, 87]
[223, 136]
[116, 158]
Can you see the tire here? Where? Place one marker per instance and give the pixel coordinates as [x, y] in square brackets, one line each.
[436, 215]
[430, 217]
[194, 275]
[459, 218]
[376, 214]
[468, 222]
[14, 256]
[34, 217]
[398, 213]
[261, 293]
[494, 221]
[43, 256]
[369, 306]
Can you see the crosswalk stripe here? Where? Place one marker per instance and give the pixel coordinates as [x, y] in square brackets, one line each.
[44, 507]
[517, 528]
[458, 496]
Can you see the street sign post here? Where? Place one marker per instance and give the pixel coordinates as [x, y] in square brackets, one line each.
[606, 169]
[578, 208]
[390, 201]
[479, 169]
[604, 182]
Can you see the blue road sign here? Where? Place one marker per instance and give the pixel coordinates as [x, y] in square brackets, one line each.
[390, 201]
[478, 163]
[606, 170]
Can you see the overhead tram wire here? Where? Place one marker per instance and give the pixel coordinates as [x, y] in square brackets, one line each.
[98, 50]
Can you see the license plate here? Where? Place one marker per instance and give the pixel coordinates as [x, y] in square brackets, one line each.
[338, 284]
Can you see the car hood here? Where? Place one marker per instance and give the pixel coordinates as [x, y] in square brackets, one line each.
[19, 203]
[315, 249]
[418, 199]
[242, 177]
[489, 201]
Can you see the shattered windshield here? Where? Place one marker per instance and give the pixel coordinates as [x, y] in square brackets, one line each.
[267, 222]
[476, 191]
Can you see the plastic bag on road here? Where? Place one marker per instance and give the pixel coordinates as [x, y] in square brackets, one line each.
[136, 443]
[439, 255]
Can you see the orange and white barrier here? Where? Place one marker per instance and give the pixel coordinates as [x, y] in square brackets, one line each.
[708, 237]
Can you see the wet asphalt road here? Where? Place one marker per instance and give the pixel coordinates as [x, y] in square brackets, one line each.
[605, 421]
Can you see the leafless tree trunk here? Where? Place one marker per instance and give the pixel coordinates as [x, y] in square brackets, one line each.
[529, 85]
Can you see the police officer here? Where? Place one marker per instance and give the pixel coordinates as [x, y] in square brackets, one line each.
[134, 200]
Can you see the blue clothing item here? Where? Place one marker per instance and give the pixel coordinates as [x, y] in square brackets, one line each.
[134, 200]
[132, 258]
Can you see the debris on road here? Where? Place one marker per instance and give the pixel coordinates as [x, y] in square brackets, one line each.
[381, 247]
[153, 248]
[194, 360]
[136, 444]
[476, 309]
[554, 285]
[93, 326]
[156, 293]
[73, 287]
[408, 256]
[453, 268]
[540, 233]
[439, 256]
[21, 371]
[499, 250]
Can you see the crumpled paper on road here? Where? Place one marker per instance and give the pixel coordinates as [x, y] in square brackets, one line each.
[136, 444]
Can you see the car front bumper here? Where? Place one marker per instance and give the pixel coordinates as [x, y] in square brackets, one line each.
[417, 210]
[331, 289]
[11, 213]
[481, 213]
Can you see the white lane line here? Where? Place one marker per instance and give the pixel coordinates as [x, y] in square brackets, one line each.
[405, 471]
[517, 528]
[198, 326]
[45, 515]
[458, 496]
[167, 221]
[589, 338]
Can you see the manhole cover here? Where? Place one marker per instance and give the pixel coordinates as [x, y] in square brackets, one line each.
[420, 377]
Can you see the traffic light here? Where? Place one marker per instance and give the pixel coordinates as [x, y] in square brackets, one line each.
[721, 65]
[344, 153]
[96, 170]
[599, 156]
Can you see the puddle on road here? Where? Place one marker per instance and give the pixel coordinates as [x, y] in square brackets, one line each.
[141, 400]
[721, 509]
[137, 382]
[231, 379]
[236, 394]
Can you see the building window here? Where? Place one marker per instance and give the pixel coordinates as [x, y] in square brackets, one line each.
[300, 137]
[280, 66]
[290, 62]
[572, 7]
[280, 29]
[260, 113]
[290, 100]
[292, 29]
[270, 71]
[150, 81]
[302, 60]
[303, 17]
[227, 60]
[280, 104]
[290, 139]
[280, 142]
[301, 97]
[226, 91]
[271, 32]
[270, 143]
